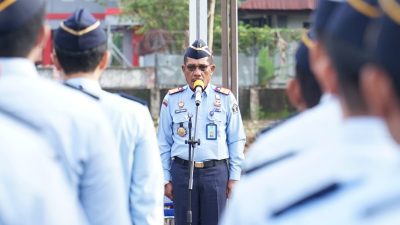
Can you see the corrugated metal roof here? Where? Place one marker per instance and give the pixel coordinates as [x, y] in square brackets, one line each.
[278, 5]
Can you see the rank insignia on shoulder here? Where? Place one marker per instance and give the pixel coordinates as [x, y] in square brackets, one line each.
[222, 90]
[175, 90]
[165, 102]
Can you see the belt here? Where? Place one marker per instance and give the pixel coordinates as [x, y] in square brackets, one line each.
[205, 164]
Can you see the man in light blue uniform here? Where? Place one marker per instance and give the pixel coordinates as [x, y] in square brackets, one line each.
[220, 130]
[33, 188]
[81, 58]
[72, 123]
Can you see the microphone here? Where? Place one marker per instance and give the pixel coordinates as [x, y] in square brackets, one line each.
[198, 90]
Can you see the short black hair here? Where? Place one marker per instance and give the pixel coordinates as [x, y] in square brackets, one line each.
[80, 61]
[310, 89]
[348, 61]
[19, 42]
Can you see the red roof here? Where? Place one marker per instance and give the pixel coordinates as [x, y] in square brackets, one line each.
[278, 5]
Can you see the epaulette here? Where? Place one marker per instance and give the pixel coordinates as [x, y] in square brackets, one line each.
[133, 98]
[222, 90]
[271, 162]
[324, 191]
[83, 91]
[275, 124]
[20, 120]
[175, 90]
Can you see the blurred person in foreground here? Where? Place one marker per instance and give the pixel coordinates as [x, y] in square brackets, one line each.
[33, 188]
[303, 89]
[72, 124]
[349, 179]
[304, 130]
[81, 56]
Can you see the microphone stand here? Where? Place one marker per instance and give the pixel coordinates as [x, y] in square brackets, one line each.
[192, 144]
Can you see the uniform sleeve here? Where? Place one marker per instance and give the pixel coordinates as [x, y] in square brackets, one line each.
[165, 140]
[236, 139]
[146, 189]
[102, 191]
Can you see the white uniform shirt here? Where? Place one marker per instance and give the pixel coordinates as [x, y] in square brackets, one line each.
[78, 131]
[363, 149]
[300, 132]
[33, 188]
[136, 136]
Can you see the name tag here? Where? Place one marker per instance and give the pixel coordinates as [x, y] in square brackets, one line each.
[211, 131]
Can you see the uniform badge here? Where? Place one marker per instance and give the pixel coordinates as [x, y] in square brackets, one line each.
[165, 102]
[217, 103]
[235, 108]
[181, 131]
[181, 109]
[211, 131]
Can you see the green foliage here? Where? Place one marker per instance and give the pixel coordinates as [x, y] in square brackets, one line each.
[278, 115]
[265, 66]
[171, 15]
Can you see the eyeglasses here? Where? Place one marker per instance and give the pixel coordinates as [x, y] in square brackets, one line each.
[192, 67]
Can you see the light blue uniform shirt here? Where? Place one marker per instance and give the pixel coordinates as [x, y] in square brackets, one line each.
[362, 150]
[216, 109]
[302, 132]
[33, 188]
[136, 136]
[79, 132]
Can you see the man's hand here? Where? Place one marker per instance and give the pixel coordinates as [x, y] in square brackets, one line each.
[168, 191]
[229, 188]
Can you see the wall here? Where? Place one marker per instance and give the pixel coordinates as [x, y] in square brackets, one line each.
[255, 102]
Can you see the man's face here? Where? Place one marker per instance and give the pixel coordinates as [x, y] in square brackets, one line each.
[198, 69]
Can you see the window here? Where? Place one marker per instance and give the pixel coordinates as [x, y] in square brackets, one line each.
[282, 21]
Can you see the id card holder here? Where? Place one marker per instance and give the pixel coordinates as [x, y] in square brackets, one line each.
[211, 131]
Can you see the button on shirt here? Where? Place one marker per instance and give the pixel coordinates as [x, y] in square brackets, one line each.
[136, 136]
[216, 108]
[33, 188]
[300, 132]
[78, 131]
[361, 150]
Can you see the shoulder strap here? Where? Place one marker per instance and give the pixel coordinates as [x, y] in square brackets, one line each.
[222, 90]
[271, 162]
[175, 90]
[83, 91]
[133, 98]
[20, 120]
[317, 194]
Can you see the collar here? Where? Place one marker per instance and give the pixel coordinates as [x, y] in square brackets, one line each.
[366, 128]
[327, 97]
[206, 91]
[17, 67]
[87, 84]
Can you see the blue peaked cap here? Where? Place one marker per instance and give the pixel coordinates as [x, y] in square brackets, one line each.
[15, 13]
[386, 51]
[322, 14]
[351, 21]
[198, 50]
[302, 54]
[80, 32]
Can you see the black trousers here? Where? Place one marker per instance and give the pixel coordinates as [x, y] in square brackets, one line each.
[208, 194]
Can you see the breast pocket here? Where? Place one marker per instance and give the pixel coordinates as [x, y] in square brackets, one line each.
[180, 126]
